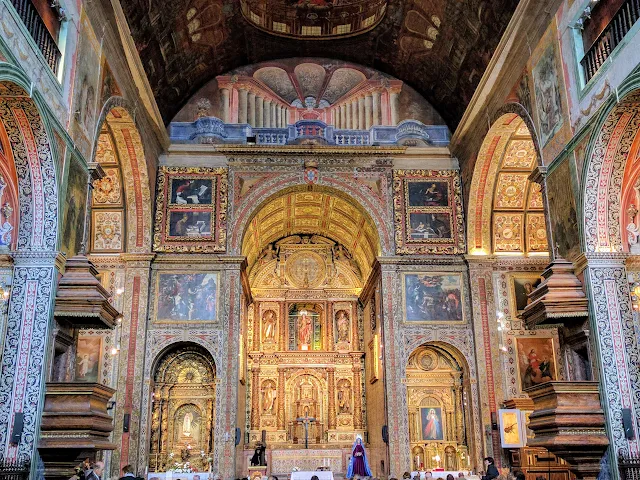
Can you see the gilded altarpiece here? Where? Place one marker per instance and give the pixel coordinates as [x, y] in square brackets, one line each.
[306, 358]
[436, 401]
[183, 409]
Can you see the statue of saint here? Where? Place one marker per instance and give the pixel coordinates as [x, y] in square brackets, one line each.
[186, 424]
[344, 398]
[342, 324]
[268, 398]
[269, 325]
[305, 328]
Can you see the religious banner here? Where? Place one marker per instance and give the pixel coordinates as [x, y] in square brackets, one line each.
[191, 210]
[428, 212]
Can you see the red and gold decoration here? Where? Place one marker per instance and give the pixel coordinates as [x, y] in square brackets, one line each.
[191, 210]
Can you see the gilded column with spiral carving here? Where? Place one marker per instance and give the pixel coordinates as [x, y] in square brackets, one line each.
[283, 327]
[459, 417]
[330, 317]
[255, 398]
[256, 327]
[354, 327]
[155, 429]
[281, 423]
[209, 431]
[331, 372]
[357, 393]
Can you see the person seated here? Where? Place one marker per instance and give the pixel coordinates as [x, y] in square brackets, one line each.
[450, 477]
[492, 471]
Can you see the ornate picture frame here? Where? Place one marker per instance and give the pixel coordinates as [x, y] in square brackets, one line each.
[519, 283]
[191, 213]
[433, 298]
[186, 296]
[428, 212]
[536, 360]
[512, 428]
[374, 359]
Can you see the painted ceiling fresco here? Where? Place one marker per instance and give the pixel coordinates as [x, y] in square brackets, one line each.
[439, 47]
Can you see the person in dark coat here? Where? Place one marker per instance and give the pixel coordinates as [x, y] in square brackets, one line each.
[492, 471]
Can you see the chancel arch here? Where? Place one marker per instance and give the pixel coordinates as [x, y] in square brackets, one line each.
[309, 254]
[182, 407]
[438, 404]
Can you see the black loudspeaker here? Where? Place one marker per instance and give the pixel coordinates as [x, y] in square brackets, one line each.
[125, 422]
[18, 425]
[627, 423]
[385, 434]
[238, 436]
[264, 436]
[494, 421]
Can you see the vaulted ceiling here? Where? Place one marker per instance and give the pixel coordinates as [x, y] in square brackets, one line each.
[439, 47]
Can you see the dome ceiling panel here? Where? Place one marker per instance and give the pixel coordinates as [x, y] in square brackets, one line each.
[441, 48]
[310, 77]
[342, 81]
[278, 81]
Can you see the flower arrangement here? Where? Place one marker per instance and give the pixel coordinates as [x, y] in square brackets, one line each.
[182, 468]
[295, 469]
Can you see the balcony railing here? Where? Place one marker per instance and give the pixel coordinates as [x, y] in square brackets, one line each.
[39, 32]
[610, 38]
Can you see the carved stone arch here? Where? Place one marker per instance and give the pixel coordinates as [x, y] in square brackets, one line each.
[118, 114]
[378, 211]
[524, 114]
[32, 149]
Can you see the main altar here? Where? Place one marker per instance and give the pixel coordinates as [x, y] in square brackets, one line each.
[305, 354]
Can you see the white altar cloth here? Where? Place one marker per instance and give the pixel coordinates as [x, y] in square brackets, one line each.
[307, 475]
[178, 476]
[424, 475]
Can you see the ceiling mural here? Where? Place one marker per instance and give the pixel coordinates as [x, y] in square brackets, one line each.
[441, 48]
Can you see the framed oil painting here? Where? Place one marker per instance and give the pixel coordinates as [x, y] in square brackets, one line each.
[431, 426]
[422, 193]
[536, 360]
[520, 286]
[512, 428]
[428, 212]
[88, 359]
[191, 297]
[190, 223]
[374, 359]
[547, 93]
[432, 297]
[74, 208]
[191, 214]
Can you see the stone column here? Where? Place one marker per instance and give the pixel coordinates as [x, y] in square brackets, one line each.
[614, 332]
[368, 114]
[242, 105]
[259, 112]
[285, 116]
[281, 419]
[355, 115]
[255, 398]
[336, 117]
[274, 116]
[331, 374]
[394, 106]
[224, 93]
[376, 108]
[361, 123]
[267, 113]
[26, 345]
[278, 116]
[357, 392]
[343, 116]
[251, 109]
[349, 115]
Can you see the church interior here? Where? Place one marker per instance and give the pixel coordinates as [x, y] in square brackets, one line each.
[341, 238]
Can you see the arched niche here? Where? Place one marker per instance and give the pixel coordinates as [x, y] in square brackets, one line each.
[437, 401]
[183, 408]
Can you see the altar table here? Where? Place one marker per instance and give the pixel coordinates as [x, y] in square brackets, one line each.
[307, 475]
[178, 476]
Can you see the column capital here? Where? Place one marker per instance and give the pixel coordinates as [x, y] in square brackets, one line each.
[600, 259]
[137, 259]
[39, 258]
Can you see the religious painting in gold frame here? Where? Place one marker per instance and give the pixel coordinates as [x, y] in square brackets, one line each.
[186, 296]
[191, 210]
[88, 359]
[520, 285]
[536, 360]
[433, 297]
[428, 212]
[512, 428]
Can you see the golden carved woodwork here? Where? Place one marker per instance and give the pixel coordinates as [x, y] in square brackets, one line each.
[435, 389]
[314, 212]
[183, 407]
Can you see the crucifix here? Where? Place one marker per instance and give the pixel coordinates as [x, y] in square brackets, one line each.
[306, 420]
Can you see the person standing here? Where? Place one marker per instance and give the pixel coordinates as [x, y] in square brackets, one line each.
[492, 471]
[94, 471]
